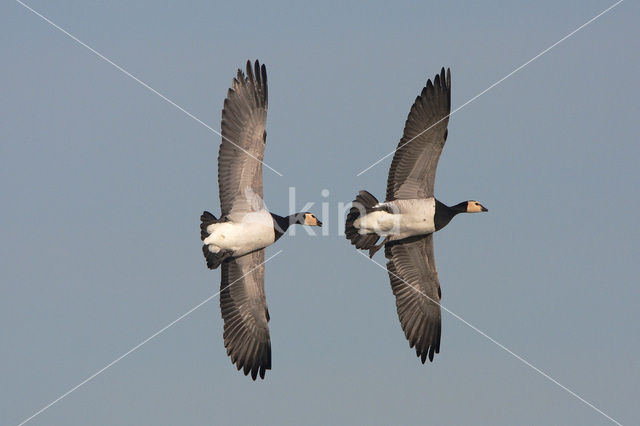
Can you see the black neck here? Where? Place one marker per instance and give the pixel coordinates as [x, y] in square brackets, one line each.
[444, 213]
[281, 224]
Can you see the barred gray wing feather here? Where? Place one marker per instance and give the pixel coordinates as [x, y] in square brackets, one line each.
[414, 282]
[244, 310]
[244, 118]
[413, 169]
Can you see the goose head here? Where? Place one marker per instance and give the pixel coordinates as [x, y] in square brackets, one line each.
[475, 207]
[306, 218]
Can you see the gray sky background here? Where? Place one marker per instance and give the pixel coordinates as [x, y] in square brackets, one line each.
[103, 182]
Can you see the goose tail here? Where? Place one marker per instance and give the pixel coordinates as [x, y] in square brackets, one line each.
[213, 259]
[362, 205]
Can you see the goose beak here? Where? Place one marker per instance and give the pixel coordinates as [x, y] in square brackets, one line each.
[318, 223]
[484, 209]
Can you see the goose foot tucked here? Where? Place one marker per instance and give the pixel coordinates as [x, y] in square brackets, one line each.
[373, 250]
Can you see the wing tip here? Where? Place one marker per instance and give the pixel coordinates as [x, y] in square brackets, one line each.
[249, 354]
[252, 366]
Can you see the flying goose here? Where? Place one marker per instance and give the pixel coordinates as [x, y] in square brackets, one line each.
[410, 215]
[237, 240]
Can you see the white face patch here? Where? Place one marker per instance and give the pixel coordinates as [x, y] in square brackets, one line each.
[474, 207]
[310, 219]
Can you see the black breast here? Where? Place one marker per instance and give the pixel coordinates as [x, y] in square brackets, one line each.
[280, 225]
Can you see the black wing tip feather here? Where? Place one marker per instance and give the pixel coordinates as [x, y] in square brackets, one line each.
[443, 78]
[432, 348]
[249, 353]
[256, 75]
[253, 366]
[446, 77]
[440, 81]
[431, 339]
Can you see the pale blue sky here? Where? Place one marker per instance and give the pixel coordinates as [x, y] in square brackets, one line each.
[102, 184]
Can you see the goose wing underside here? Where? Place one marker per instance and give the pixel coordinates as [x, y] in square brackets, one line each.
[414, 282]
[244, 118]
[413, 169]
[245, 314]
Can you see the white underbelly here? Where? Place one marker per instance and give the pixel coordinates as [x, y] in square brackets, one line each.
[409, 220]
[253, 233]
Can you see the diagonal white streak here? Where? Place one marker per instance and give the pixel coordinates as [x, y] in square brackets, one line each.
[145, 85]
[500, 345]
[115, 361]
[496, 83]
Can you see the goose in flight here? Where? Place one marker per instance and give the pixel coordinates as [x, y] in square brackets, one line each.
[410, 215]
[236, 241]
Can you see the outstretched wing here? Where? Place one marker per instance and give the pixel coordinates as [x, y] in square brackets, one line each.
[244, 118]
[413, 169]
[244, 310]
[414, 281]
